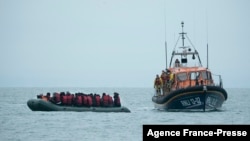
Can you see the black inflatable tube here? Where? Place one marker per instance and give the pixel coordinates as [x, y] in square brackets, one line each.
[42, 105]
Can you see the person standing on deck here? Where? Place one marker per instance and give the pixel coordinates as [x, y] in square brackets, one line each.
[164, 79]
[158, 85]
[171, 80]
[168, 83]
[177, 63]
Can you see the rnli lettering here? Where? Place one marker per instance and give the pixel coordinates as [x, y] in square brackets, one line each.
[191, 101]
[195, 101]
[185, 103]
[211, 101]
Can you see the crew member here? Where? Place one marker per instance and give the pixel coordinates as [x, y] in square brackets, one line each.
[164, 78]
[177, 63]
[158, 85]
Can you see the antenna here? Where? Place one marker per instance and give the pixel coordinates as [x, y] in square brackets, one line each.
[165, 34]
[166, 50]
[182, 33]
[207, 55]
[207, 38]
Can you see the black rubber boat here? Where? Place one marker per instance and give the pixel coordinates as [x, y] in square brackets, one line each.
[42, 105]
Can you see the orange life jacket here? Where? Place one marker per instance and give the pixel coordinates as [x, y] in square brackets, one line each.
[111, 102]
[78, 100]
[98, 100]
[89, 100]
[69, 99]
[85, 100]
[65, 100]
[105, 100]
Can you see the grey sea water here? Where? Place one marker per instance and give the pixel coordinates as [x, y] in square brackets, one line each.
[19, 123]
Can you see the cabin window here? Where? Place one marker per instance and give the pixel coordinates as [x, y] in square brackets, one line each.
[194, 75]
[182, 76]
[206, 75]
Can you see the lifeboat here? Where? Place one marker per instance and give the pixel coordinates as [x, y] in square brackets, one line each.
[186, 85]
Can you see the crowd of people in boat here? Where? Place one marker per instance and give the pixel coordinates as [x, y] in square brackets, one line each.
[82, 99]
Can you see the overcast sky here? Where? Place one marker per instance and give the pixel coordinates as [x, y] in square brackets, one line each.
[117, 43]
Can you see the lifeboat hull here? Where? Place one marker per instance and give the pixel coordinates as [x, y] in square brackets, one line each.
[42, 105]
[198, 98]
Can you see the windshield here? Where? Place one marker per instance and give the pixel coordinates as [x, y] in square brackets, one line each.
[206, 75]
[194, 75]
[182, 76]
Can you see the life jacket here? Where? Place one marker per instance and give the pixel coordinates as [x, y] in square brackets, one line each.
[117, 101]
[78, 100]
[69, 99]
[164, 77]
[157, 81]
[65, 100]
[111, 102]
[171, 77]
[89, 100]
[105, 100]
[85, 100]
[98, 100]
